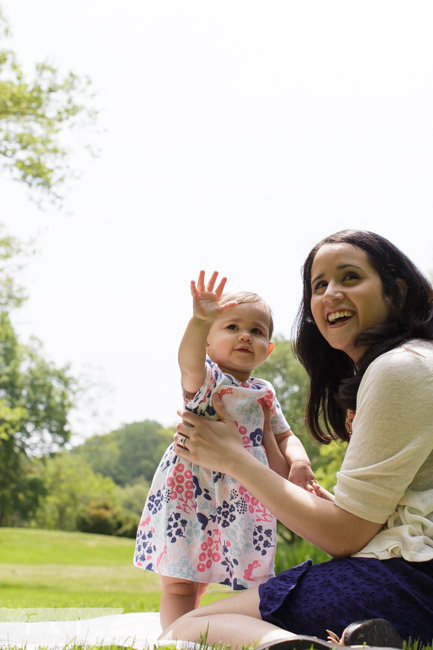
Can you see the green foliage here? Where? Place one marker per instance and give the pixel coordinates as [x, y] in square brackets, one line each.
[11, 253]
[132, 497]
[127, 454]
[291, 384]
[36, 114]
[37, 396]
[71, 486]
[294, 550]
[99, 518]
[35, 400]
[20, 487]
[331, 458]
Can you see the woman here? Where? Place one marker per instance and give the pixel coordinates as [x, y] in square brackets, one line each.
[365, 336]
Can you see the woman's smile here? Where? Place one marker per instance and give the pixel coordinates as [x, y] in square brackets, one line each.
[347, 296]
[340, 316]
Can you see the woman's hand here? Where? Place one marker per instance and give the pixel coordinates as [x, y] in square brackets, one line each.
[217, 445]
[213, 444]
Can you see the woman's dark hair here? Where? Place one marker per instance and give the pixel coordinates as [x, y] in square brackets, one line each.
[334, 377]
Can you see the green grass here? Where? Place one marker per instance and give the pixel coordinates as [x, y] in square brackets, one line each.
[48, 568]
[56, 569]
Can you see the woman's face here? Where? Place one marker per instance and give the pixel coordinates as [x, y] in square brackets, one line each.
[346, 296]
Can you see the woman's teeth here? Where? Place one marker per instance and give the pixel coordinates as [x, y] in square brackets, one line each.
[337, 315]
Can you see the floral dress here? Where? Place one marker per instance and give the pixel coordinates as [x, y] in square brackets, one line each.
[204, 526]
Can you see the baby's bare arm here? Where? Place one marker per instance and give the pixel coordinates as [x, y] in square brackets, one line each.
[192, 349]
[276, 458]
[300, 471]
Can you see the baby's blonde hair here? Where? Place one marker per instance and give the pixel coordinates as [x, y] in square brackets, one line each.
[242, 297]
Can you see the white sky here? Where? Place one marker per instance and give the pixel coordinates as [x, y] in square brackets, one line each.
[237, 134]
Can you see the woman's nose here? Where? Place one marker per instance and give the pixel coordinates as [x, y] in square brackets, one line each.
[332, 293]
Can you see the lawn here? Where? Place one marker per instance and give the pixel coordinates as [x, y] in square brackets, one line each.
[56, 569]
[47, 568]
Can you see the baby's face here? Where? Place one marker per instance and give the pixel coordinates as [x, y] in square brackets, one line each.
[238, 340]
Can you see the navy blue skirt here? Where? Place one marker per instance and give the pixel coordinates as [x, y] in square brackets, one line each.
[309, 599]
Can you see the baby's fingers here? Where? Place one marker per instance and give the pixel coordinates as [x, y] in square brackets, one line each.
[211, 283]
[195, 288]
[220, 287]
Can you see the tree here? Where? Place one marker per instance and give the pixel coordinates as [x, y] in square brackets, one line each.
[127, 454]
[20, 487]
[330, 461]
[291, 383]
[36, 114]
[35, 400]
[71, 486]
[38, 394]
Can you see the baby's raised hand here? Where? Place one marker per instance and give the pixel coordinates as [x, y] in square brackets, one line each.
[206, 299]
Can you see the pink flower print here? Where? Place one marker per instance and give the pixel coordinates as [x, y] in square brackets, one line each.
[254, 506]
[225, 391]
[146, 521]
[181, 488]
[210, 551]
[262, 514]
[268, 400]
[248, 573]
[244, 433]
[158, 561]
[206, 397]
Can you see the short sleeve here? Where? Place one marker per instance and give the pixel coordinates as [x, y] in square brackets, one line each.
[392, 435]
[279, 423]
[202, 400]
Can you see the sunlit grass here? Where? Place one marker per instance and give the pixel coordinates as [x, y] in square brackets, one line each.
[55, 569]
[47, 568]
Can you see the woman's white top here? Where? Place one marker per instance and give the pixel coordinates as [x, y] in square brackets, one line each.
[387, 473]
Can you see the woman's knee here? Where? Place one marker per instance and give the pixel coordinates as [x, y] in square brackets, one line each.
[244, 602]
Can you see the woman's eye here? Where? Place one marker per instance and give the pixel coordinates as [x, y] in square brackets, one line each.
[319, 287]
[351, 275]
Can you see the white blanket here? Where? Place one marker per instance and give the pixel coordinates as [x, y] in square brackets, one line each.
[138, 631]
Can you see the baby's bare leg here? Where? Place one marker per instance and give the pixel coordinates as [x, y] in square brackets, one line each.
[234, 620]
[178, 597]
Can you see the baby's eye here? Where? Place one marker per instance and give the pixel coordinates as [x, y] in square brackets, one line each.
[232, 326]
[256, 330]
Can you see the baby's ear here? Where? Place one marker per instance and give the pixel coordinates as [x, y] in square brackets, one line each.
[270, 348]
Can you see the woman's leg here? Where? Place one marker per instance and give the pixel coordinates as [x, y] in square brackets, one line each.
[178, 597]
[234, 620]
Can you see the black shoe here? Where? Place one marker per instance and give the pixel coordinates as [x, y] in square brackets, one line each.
[372, 632]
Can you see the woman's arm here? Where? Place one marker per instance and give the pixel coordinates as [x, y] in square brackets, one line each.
[217, 445]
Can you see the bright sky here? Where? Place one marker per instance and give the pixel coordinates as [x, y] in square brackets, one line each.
[237, 134]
